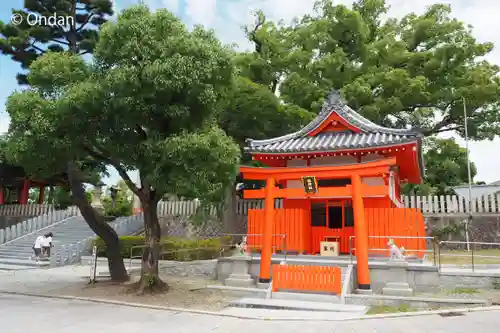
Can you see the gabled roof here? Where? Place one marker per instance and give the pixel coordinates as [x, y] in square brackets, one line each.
[359, 133]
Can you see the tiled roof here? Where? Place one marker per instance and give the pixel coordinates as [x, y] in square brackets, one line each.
[371, 134]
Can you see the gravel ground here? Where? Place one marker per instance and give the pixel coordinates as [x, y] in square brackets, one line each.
[184, 292]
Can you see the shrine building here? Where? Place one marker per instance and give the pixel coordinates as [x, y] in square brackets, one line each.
[15, 185]
[339, 180]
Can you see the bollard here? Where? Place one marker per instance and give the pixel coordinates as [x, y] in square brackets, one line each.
[2, 236]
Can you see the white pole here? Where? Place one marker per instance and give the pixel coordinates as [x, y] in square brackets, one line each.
[469, 176]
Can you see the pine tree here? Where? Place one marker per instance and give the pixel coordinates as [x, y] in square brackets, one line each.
[25, 42]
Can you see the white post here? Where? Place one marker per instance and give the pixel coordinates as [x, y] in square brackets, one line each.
[469, 176]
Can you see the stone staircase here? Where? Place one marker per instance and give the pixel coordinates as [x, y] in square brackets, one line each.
[72, 239]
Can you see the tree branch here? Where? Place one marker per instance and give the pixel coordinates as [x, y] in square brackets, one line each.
[60, 41]
[116, 164]
[85, 23]
[37, 48]
[141, 132]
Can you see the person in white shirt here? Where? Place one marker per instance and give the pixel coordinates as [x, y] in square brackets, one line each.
[37, 248]
[47, 244]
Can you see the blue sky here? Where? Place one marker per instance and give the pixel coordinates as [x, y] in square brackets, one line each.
[226, 17]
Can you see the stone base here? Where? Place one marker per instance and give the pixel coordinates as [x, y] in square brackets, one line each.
[237, 282]
[397, 289]
[364, 291]
[262, 285]
[240, 276]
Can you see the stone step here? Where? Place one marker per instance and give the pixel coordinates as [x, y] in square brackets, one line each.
[23, 262]
[291, 314]
[8, 267]
[281, 304]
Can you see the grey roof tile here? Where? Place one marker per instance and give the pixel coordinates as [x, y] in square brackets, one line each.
[371, 134]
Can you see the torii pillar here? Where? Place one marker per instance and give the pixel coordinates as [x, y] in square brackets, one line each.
[267, 242]
[361, 234]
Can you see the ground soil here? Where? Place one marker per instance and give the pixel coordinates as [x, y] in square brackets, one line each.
[184, 292]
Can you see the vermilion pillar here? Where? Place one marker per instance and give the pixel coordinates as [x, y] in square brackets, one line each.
[23, 198]
[2, 195]
[361, 234]
[41, 196]
[267, 241]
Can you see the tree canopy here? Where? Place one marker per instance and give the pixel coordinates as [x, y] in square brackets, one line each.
[408, 72]
[148, 102]
[25, 42]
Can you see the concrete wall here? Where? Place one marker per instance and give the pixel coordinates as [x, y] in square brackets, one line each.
[419, 277]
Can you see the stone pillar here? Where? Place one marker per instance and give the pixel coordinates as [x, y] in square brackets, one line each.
[239, 276]
[361, 234]
[397, 275]
[96, 197]
[267, 239]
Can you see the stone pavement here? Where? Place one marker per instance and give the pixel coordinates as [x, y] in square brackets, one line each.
[26, 314]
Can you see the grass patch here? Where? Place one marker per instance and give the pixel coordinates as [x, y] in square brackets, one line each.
[462, 257]
[464, 290]
[379, 309]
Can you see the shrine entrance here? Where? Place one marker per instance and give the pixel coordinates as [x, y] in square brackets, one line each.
[332, 220]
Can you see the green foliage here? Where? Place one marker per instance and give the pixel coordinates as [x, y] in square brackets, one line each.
[24, 43]
[445, 166]
[171, 248]
[123, 202]
[411, 71]
[496, 284]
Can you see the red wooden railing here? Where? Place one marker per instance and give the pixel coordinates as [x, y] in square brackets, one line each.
[307, 278]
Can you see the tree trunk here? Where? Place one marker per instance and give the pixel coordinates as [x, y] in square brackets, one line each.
[96, 222]
[51, 195]
[150, 280]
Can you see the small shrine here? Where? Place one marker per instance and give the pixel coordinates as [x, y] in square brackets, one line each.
[339, 180]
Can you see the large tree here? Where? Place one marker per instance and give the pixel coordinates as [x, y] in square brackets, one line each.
[25, 42]
[148, 103]
[404, 72]
[445, 167]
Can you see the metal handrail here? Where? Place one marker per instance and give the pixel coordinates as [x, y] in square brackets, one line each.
[472, 253]
[274, 235]
[433, 251]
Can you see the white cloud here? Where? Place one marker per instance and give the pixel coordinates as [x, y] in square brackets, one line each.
[201, 11]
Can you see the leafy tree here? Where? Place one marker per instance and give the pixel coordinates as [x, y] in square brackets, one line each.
[446, 166]
[24, 43]
[172, 84]
[43, 150]
[404, 72]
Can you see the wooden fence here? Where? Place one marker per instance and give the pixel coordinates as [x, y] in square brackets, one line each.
[431, 205]
[307, 278]
[25, 210]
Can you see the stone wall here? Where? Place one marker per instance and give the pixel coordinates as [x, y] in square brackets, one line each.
[485, 228]
[185, 226]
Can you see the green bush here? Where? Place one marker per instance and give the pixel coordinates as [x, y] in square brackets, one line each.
[172, 248]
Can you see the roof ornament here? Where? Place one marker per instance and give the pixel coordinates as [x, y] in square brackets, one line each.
[334, 98]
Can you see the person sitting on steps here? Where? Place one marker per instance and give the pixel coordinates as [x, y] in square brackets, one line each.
[47, 244]
[37, 248]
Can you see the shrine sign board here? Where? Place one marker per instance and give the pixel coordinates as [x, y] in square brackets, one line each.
[310, 184]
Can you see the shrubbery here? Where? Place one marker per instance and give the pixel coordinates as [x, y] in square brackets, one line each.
[177, 249]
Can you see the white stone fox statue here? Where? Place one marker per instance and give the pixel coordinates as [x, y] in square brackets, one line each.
[395, 252]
